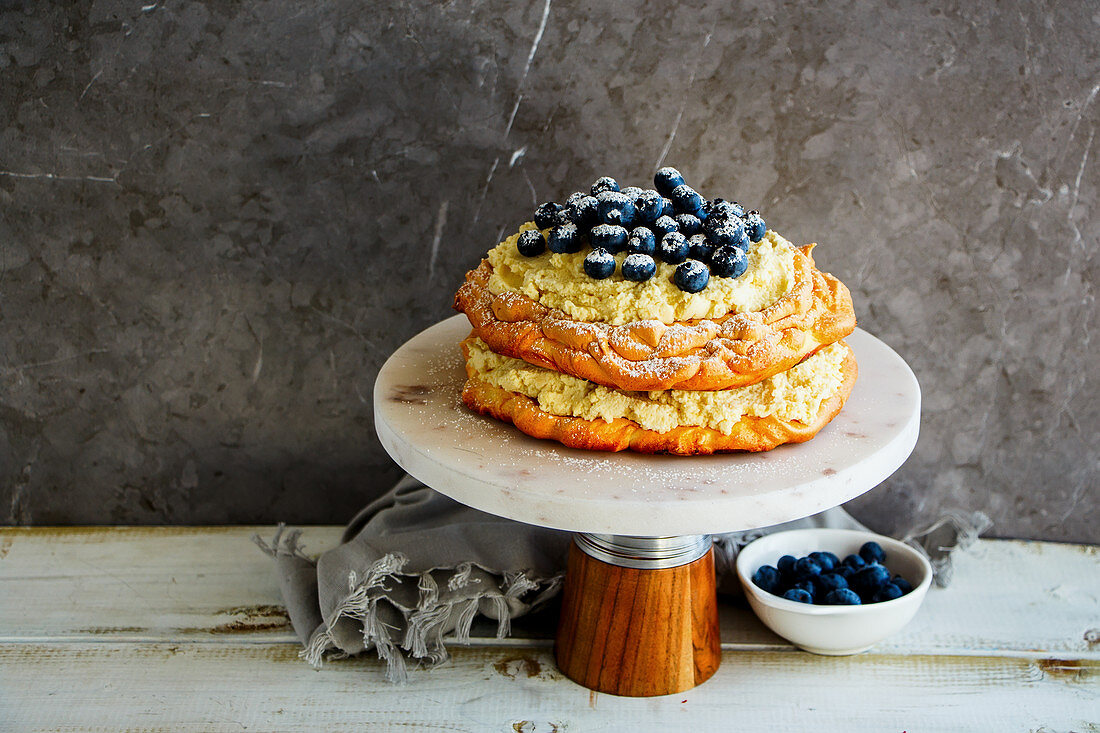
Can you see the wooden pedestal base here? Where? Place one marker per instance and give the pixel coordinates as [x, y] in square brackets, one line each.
[627, 631]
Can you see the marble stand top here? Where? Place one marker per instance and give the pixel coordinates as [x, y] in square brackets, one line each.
[492, 466]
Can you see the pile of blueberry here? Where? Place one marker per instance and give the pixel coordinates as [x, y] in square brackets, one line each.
[823, 578]
[670, 222]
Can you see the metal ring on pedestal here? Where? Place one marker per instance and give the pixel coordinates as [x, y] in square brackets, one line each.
[645, 553]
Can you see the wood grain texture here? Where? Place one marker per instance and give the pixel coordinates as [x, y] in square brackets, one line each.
[638, 633]
[265, 687]
[143, 583]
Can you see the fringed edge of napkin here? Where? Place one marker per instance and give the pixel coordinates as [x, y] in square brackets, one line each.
[429, 621]
[955, 530]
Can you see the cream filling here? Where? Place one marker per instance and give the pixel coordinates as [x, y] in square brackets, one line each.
[558, 281]
[795, 394]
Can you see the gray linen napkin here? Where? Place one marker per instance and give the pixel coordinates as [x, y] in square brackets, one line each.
[414, 566]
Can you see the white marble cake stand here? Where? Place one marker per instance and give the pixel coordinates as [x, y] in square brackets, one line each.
[642, 520]
[491, 466]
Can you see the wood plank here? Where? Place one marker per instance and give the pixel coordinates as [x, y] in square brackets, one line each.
[1012, 596]
[212, 584]
[112, 686]
[142, 583]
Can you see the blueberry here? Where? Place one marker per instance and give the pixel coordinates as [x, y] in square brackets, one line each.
[531, 243]
[786, 564]
[689, 224]
[805, 585]
[798, 595]
[639, 267]
[804, 566]
[641, 241]
[667, 179]
[827, 560]
[854, 561]
[546, 215]
[611, 237]
[887, 592]
[722, 209]
[844, 571]
[870, 579]
[584, 211]
[691, 276]
[872, 552]
[615, 208]
[574, 198]
[903, 585]
[755, 226]
[767, 578]
[685, 199]
[729, 262]
[649, 206]
[843, 597]
[605, 183]
[831, 581]
[674, 248]
[565, 238]
[745, 244]
[718, 209]
[712, 205]
[633, 192]
[701, 249]
[667, 208]
[819, 589]
[664, 225]
[599, 264]
[722, 232]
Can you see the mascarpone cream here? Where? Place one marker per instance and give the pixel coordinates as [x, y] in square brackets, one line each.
[795, 394]
[558, 281]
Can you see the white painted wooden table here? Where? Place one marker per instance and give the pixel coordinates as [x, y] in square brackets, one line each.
[105, 629]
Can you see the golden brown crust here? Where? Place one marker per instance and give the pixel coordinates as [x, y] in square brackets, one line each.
[749, 434]
[733, 351]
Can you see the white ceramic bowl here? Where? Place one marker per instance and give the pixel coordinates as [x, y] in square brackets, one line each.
[833, 629]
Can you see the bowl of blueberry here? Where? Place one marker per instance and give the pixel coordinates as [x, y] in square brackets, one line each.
[833, 591]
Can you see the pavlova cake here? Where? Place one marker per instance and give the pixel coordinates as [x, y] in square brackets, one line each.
[656, 321]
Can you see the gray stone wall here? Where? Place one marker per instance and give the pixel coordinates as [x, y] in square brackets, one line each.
[219, 218]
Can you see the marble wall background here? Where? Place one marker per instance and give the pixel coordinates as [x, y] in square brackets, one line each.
[219, 218]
